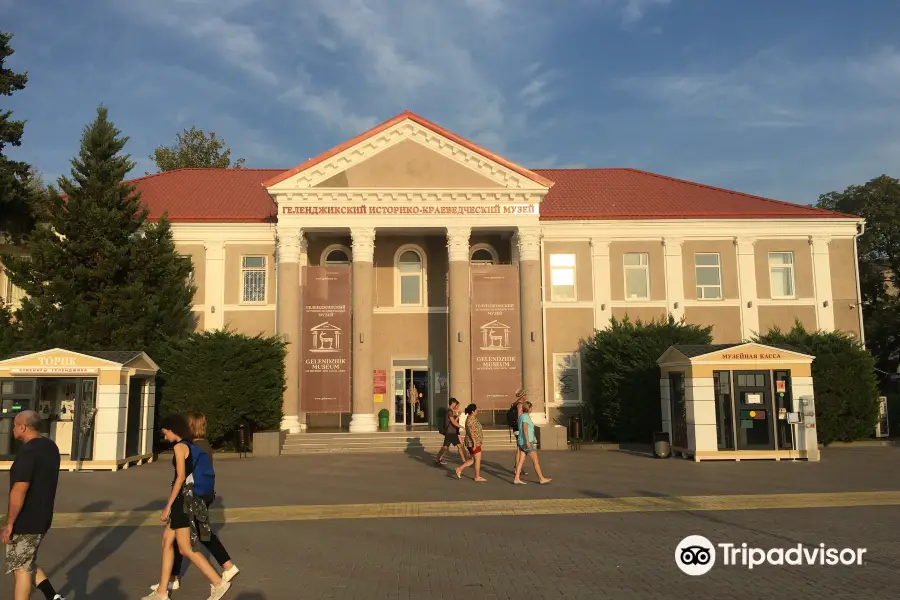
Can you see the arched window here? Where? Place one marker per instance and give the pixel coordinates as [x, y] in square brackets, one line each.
[483, 254]
[410, 287]
[335, 254]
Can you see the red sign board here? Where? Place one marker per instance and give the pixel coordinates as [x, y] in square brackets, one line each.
[380, 381]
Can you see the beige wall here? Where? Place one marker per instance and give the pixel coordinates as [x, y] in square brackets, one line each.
[251, 322]
[803, 271]
[233, 254]
[784, 316]
[725, 320]
[727, 265]
[644, 313]
[408, 164]
[198, 257]
[566, 328]
[657, 268]
[843, 286]
[584, 282]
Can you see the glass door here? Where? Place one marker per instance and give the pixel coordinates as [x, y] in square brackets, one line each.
[412, 401]
[753, 406]
[85, 411]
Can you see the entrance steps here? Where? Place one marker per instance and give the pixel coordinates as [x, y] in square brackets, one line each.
[384, 441]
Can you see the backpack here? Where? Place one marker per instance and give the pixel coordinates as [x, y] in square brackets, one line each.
[445, 423]
[512, 418]
[203, 476]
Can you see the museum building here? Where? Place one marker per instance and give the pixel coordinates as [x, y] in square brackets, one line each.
[408, 265]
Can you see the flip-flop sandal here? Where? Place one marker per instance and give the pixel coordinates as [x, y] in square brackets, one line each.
[458, 475]
[546, 482]
[520, 483]
[480, 480]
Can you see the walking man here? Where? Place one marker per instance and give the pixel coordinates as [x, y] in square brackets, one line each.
[32, 491]
[451, 433]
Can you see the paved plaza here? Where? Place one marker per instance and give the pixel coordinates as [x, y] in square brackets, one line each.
[394, 526]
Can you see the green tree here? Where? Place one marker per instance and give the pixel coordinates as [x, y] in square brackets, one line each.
[99, 276]
[8, 331]
[846, 390]
[623, 378]
[194, 149]
[16, 216]
[878, 202]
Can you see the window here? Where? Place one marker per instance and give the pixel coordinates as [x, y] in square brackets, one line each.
[637, 276]
[709, 276]
[781, 274]
[410, 278]
[482, 254]
[335, 255]
[567, 378]
[562, 277]
[253, 278]
[12, 295]
[190, 277]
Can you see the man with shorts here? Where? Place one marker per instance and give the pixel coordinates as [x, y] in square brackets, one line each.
[451, 433]
[32, 492]
[513, 416]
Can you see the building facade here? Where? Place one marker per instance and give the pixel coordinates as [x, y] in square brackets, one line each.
[416, 258]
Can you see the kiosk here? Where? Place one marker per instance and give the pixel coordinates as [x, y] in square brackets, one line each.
[97, 406]
[738, 402]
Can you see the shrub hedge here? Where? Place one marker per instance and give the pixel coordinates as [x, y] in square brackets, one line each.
[623, 377]
[226, 375]
[844, 381]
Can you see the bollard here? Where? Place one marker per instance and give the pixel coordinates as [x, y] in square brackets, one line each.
[241, 440]
[575, 433]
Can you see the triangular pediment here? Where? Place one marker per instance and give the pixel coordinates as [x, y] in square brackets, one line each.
[56, 358]
[408, 152]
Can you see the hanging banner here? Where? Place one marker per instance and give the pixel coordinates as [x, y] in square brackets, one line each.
[496, 336]
[326, 341]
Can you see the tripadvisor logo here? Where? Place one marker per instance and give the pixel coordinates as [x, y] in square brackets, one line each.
[696, 555]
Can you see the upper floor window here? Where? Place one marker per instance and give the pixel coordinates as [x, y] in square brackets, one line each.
[190, 280]
[253, 278]
[781, 274]
[637, 275]
[335, 255]
[482, 254]
[708, 270]
[562, 277]
[410, 287]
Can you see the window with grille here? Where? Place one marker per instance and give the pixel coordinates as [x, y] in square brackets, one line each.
[637, 275]
[562, 277]
[567, 378]
[708, 270]
[781, 274]
[253, 276]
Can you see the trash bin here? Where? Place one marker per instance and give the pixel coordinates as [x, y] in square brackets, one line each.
[242, 438]
[662, 446]
[384, 418]
[575, 427]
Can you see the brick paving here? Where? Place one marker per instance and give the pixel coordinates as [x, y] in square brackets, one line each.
[617, 556]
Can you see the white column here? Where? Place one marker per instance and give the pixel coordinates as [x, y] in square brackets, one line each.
[291, 249]
[674, 277]
[822, 279]
[459, 278]
[534, 351]
[746, 261]
[363, 418]
[215, 286]
[602, 286]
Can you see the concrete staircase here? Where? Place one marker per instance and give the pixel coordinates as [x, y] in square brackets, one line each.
[383, 441]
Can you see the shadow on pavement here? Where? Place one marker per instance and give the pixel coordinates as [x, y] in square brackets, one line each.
[251, 596]
[111, 539]
[110, 589]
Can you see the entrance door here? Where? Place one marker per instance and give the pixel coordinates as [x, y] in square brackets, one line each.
[754, 410]
[679, 410]
[133, 418]
[85, 411]
[412, 402]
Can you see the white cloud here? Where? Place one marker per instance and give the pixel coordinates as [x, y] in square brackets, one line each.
[635, 10]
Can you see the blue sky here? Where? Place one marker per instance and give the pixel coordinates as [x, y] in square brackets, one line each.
[786, 99]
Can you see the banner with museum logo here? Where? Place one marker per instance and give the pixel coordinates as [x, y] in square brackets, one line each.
[326, 340]
[496, 336]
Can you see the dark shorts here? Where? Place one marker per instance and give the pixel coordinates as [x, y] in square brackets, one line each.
[451, 439]
[21, 552]
[527, 449]
[178, 519]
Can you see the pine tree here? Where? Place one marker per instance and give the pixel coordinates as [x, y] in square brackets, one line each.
[99, 275]
[16, 217]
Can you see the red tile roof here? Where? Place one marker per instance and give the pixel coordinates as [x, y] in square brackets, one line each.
[634, 194]
[238, 195]
[209, 195]
[446, 133]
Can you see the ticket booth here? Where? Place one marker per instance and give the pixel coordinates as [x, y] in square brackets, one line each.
[739, 402]
[97, 406]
